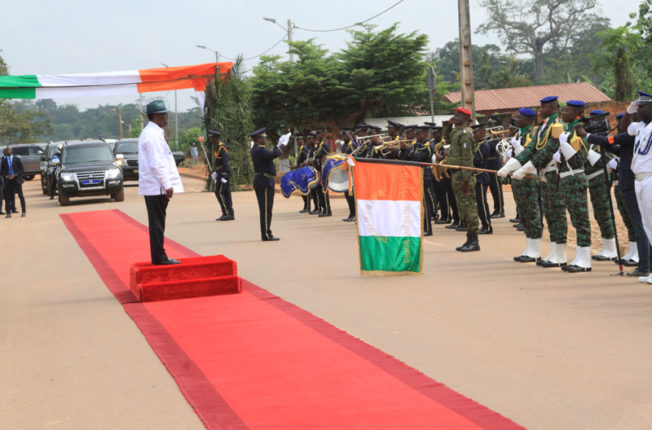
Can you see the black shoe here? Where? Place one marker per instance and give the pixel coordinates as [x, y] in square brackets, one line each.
[519, 227]
[497, 215]
[351, 218]
[51, 197]
[167, 261]
[323, 214]
[515, 220]
[452, 226]
[486, 230]
[303, 211]
[603, 258]
[314, 212]
[23, 215]
[575, 269]
[527, 259]
[222, 218]
[428, 233]
[442, 221]
[8, 215]
[546, 263]
[229, 218]
[629, 263]
[460, 228]
[469, 239]
[271, 238]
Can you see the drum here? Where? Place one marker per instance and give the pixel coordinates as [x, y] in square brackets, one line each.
[333, 176]
[305, 179]
[287, 186]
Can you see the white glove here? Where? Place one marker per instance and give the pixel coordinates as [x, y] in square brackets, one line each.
[284, 140]
[613, 163]
[632, 108]
[592, 157]
[511, 165]
[224, 181]
[567, 150]
[634, 127]
[214, 176]
[564, 137]
[557, 157]
[528, 168]
[516, 143]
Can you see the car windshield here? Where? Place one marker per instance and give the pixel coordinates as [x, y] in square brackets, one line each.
[87, 154]
[127, 148]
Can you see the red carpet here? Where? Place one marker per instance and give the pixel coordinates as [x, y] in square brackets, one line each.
[252, 360]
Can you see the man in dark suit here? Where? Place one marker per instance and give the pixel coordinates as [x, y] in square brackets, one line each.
[11, 169]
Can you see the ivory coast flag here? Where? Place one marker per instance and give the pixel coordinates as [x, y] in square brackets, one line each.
[389, 215]
[112, 83]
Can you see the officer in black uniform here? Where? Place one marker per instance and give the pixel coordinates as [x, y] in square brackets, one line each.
[302, 158]
[318, 159]
[349, 145]
[222, 176]
[264, 175]
[494, 162]
[421, 152]
[482, 179]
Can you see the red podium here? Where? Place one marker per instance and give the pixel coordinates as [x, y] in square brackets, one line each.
[194, 277]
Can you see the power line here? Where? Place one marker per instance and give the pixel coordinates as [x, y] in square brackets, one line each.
[353, 25]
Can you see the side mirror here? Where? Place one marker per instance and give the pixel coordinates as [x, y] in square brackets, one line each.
[119, 157]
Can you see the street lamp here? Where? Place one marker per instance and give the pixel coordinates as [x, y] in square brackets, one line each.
[176, 116]
[217, 54]
[119, 110]
[289, 31]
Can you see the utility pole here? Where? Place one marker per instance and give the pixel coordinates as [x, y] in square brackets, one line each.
[120, 119]
[290, 40]
[466, 59]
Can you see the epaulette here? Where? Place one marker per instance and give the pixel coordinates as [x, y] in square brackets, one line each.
[556, 130]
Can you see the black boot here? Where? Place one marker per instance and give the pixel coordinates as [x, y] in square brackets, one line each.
[472, 244]
[468, 239]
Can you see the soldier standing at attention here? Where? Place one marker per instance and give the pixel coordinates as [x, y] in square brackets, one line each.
[482, 178]
[461, 152]
[348, 147]
[302, 157]
[222, 175]
[571, 158]
[264, 175]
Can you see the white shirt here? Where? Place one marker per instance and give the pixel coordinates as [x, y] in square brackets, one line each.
[642, 160]
[157, 170]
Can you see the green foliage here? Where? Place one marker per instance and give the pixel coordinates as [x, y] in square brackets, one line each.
[228, 109]
[621, 46]
[189, 137]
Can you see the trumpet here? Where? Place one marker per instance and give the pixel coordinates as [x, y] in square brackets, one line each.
[382, 135]
[500, 132]
[392, 144]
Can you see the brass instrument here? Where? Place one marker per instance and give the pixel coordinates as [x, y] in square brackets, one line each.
[504, 146]
[392, 144]
[381, 136]
[500, 132]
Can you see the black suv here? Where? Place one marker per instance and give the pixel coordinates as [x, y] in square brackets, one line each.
[88, 169]
[126, 156]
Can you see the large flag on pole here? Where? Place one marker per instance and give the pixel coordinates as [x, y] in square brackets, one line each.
[389, 216]
[112, 83]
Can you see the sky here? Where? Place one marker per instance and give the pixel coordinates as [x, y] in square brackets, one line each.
[82, 36]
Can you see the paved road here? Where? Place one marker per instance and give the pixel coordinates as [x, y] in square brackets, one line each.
[547, 349]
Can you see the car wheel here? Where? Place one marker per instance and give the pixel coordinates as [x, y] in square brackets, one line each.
[28, 177]
[120, 195]
[64, 200]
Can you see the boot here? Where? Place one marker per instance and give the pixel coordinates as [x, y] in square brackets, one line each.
[631, 258]
[557, 257]
[608, 250]
[582, 262]
[472, 245]
[468, 239]
[532, 252]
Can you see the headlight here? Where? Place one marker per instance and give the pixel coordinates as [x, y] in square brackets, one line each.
[121, 162]
[68, 177]
[112, 173]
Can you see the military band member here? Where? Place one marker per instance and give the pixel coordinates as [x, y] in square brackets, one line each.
[302, 158]
[312, 145]
[600, 192]
[321, 151]
[448, 213]
[375, 141]
[494, 162]
[348, 147]
[538, 157]
[570, 158]
[525, 190]
[482, 178]
[264, 176]
[222, 176]
[461, 152]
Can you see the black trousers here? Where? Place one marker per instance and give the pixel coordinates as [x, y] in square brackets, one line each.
[265, 197]
[428, 207]
[315, 199]
[324, 199]
[12, 187]
[156, 208]
[450, 195]
[223, 194]
[481, 201]
[496, 189]
[350, 200]
[306, 203]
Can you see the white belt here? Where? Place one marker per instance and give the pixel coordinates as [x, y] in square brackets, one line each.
[571, 173]
[644, 175]
[594, 174]
[551, 167]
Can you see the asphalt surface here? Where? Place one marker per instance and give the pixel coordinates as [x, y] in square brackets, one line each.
[547, 349]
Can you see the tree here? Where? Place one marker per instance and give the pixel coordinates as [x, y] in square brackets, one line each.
[539, 26]
[621, 46]
[228, 109]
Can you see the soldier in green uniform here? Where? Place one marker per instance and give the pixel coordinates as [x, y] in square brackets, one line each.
[571, 158]
[598, 190]
[461, 153]
[538, 157]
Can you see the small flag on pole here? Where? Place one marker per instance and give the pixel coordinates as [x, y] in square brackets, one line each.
[389, 216]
